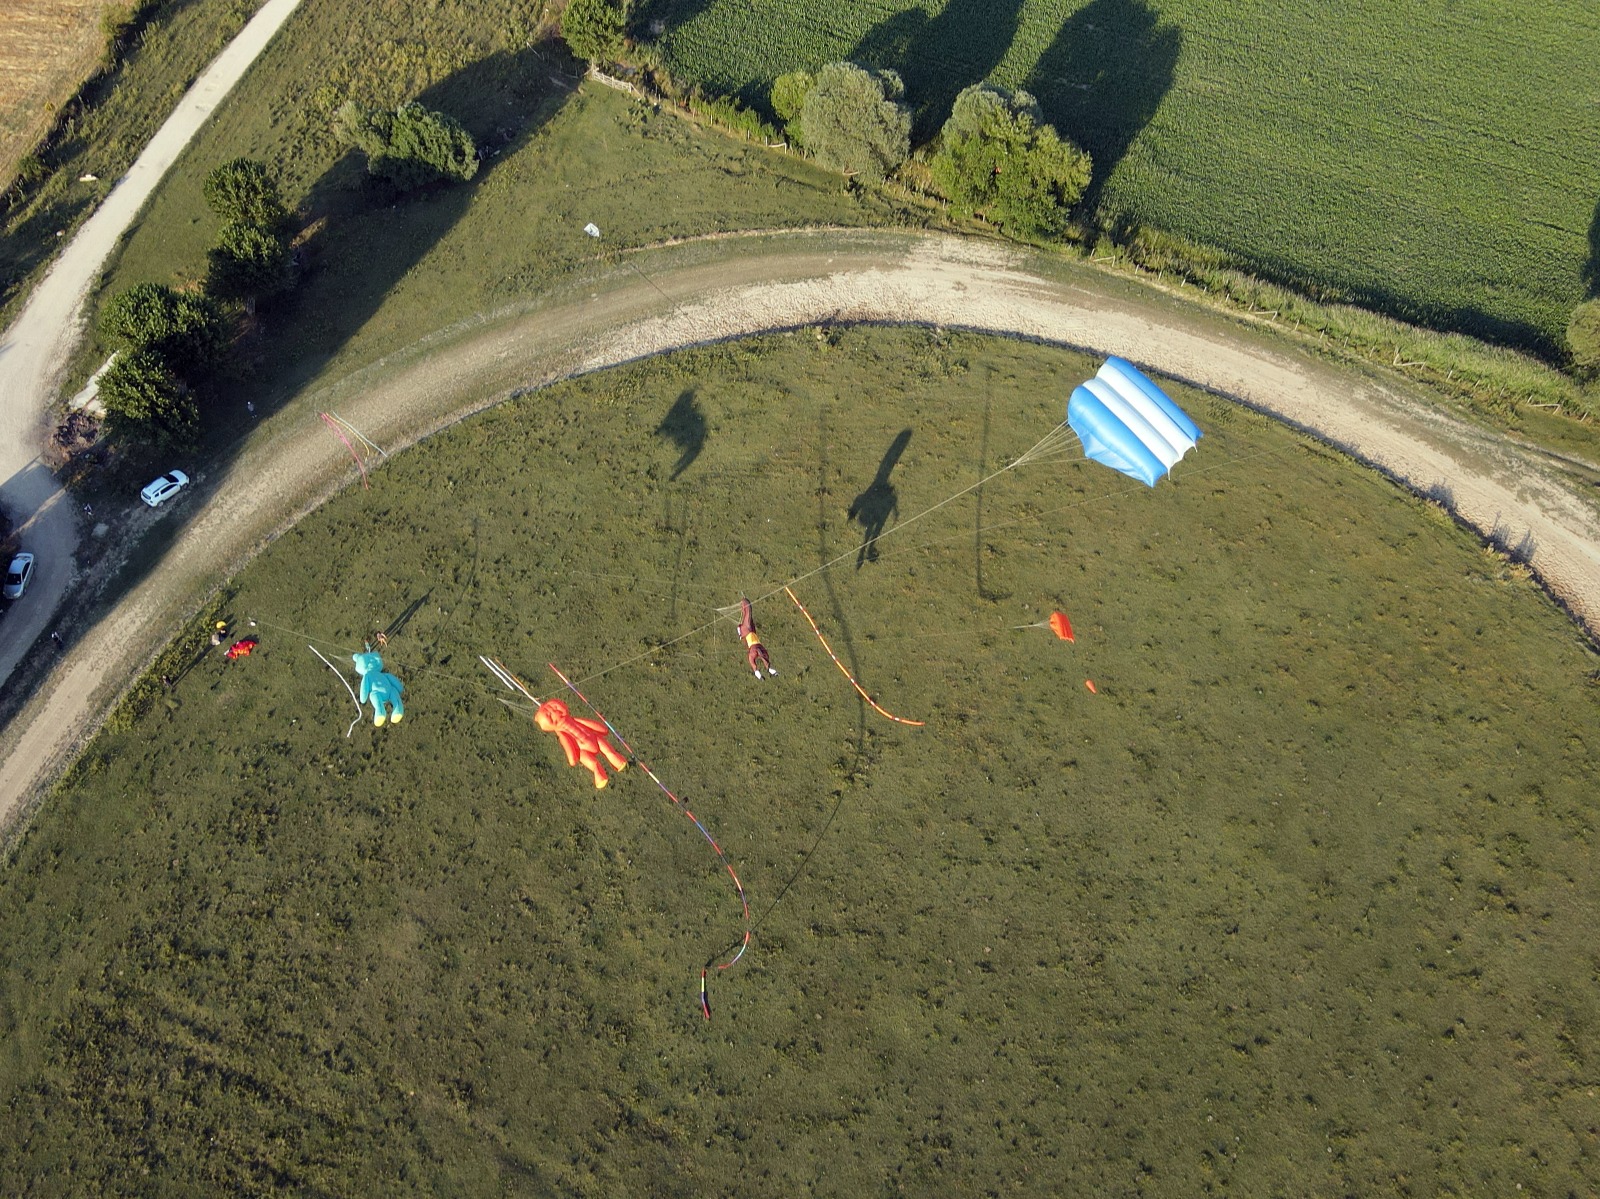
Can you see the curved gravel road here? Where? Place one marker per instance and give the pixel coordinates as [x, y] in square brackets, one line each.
[727, 287]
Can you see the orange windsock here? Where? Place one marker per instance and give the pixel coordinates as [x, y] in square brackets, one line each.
[1093, 690]
[1061, 626]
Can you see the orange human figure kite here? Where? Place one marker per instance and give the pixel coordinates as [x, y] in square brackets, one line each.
[583, 739]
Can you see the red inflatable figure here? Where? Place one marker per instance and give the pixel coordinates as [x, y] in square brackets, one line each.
[582, 738]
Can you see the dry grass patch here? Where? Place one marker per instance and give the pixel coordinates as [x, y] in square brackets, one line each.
[47, 49]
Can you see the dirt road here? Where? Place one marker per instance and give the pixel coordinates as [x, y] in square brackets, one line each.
[35, 349]
[727, 287]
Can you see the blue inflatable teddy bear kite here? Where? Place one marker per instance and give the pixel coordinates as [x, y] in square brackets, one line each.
[380, 687]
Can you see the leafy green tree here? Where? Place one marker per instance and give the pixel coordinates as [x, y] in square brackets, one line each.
[243, 192]
[1583, 337]
[435, 140]
[364, 127]
[411, 146]
[594, 29]
[789, 94]
[979, 103]
[146, 403]
[851, 121]
[184, 329]
[248, 263]
[998, 160]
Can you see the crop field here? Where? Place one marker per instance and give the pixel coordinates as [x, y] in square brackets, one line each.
[1436, 162]
[46, 52]
[1298, 901]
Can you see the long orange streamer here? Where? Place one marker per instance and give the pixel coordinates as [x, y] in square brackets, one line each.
[844, 669]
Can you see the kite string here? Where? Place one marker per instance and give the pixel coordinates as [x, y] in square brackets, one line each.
[950, 499]
[651, 652]
[743, 942]
[339, 433]
[347, 687]
[845, 670]
[360, 436]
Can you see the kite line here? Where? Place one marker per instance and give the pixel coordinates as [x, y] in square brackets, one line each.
[843, 668]
[743, 942]
[347, 687]
[328, 420]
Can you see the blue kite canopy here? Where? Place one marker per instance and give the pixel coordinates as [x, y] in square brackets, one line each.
[1128, 423]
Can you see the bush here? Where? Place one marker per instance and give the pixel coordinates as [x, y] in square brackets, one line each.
[247, 263]
[146, 403]
[997, 159]
[1583, 337]
[594, 29]
[242, 192]
[730, 114]
[851, 122]
[411, 146]
[184, 329]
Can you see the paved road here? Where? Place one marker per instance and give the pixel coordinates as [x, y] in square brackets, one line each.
[34, 351]
[727, 287]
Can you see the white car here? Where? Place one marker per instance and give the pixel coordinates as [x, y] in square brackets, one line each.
[164, 488]
[18, 575]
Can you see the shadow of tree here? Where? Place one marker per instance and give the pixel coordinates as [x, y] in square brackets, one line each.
[875, 506]
[369, 236]
[1103, 78]
[685, 427]
[938, 56]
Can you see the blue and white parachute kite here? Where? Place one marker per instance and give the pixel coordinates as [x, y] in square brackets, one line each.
[1128, 423]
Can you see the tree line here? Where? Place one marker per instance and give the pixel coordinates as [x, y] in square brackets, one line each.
[995, 158]
[169, 343]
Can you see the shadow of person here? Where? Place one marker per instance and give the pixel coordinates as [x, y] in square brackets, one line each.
[938, 56]
[875, 506]
[684, 426]
[398, 625]
[1103, 78]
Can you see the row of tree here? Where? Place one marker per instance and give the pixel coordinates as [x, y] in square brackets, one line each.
[168, 343]
[996, 157]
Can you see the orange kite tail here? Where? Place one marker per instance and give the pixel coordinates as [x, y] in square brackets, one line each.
[844, 670]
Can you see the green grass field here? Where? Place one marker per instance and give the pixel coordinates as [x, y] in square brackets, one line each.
[1299, 903]
[1434, 162]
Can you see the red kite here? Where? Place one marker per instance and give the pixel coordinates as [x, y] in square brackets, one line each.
[1061, 626]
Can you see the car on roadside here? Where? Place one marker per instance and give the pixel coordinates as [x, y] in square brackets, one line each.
[18, 575]
[164, 488]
